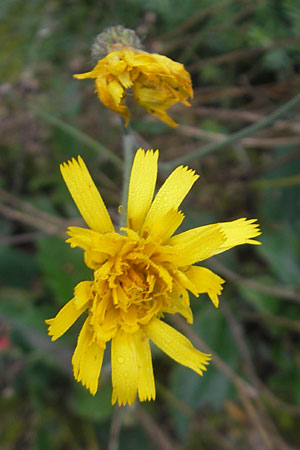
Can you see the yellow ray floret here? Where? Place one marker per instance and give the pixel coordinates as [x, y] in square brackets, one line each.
[177, 346]
[205, 281]
[241, 231]
[157, 82]
[141, 187]
[86, 195]
[87, 359]
[131, 365]
[71, 311]
[169, 197]
[140, 273]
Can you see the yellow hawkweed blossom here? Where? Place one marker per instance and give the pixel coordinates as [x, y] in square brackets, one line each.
[139, 275]
[157, 82]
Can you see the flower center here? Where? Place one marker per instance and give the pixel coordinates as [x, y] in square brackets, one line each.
[132, 283]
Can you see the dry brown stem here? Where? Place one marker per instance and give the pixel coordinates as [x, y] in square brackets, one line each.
[153, 430]
[246, 391]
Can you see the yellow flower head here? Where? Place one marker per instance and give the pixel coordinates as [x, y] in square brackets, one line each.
[139, 275]
[157, 82]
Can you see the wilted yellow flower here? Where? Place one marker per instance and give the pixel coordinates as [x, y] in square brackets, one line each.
[157, 82]
[140, 274]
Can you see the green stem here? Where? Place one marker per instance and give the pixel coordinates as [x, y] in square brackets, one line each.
[264, 183]
[128, 145]
[82, 137]
[247, 131]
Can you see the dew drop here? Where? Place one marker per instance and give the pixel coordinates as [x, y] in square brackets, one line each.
[120, 359]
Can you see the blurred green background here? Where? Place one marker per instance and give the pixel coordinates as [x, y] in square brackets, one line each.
[244, 60]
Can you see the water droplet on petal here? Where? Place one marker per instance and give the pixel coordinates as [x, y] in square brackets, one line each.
[120, 359]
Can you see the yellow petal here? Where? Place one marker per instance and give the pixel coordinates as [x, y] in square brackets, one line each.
[157, 82]
[152, 98]
[124, 372]
[141, 187]
[163, 116]
[82, 237]
[238, 232]
[184, 281]
[170, 196]
[86, 196]
[87, 359]
[116, 91]
[124, 78]
[205, 281]
[83, 294]
[146, 385]
[176, 345]
[106, 97]
[64, 319]
[155, 101]
[197, 244]
[82, 76]
[227, 235]
[180, 303]
[98, 70]
[163, 230]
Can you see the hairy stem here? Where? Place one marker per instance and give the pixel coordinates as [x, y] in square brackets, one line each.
[247, 131]
[128, 144]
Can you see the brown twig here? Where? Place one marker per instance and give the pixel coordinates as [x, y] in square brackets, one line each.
[279, 404]
[200, 423]
[196, 39]
[245, 116]
[29, 208]
[274, 92]
[115, 428]
[276, 291]
[174, 401]
[205, 135]
[36, 222]
[153, 430]
[217, 361]
[204, 427]
[246, 390]
[244, 53]
[193, 20]
[272, 319]
[239, 338]
[23, 238]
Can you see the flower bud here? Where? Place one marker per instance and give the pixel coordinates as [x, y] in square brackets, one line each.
[114, 38]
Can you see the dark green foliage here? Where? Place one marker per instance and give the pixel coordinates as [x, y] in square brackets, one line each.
[244, 60]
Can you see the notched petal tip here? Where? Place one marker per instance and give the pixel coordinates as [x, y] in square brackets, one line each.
[51, 333]
[71, 163]
[177, 346]
[87, 359]
[190, 171]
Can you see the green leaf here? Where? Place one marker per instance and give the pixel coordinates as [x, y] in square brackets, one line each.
[17, 268]
[264, 303]
[97, 408]
[278, 204]
[43, 441]
[62, 266]
[213, 387]
[281, 250]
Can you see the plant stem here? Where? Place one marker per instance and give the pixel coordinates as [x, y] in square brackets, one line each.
[82, 137]
[128, 144]
[247, 131]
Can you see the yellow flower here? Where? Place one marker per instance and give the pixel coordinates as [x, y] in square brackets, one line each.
[139, 275]
[157, 82]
